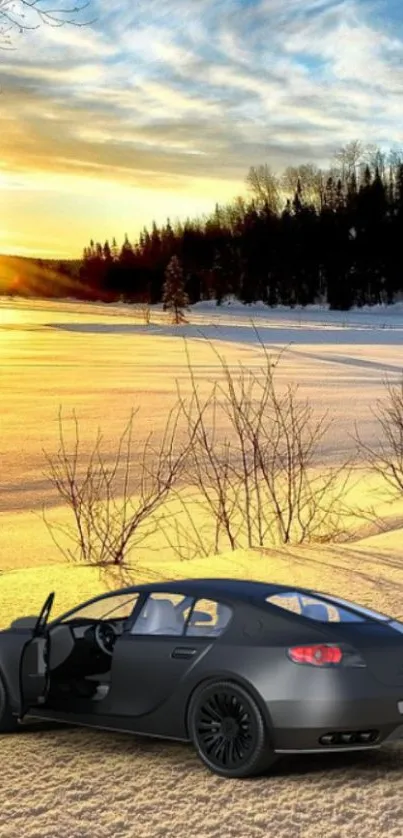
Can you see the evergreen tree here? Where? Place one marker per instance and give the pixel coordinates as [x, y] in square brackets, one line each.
[168, 240]
[155, 262]
[127, 270]
[107, 254]
[218, 279]
[330, 195]
[297, 202]
[174, 295]
[339, 235]
[114, 250]
[340, 203]
[224, 272]
[399, 191]
[272, 295]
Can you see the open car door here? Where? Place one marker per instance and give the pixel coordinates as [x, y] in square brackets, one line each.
[34, 664]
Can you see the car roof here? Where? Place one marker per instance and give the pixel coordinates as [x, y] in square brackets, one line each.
[232, 588]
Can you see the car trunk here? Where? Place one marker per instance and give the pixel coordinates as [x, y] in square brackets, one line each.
[381, 648]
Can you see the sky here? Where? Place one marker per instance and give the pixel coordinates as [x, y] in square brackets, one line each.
[158, 108]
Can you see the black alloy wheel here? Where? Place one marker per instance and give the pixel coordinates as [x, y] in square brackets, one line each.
[229, 731]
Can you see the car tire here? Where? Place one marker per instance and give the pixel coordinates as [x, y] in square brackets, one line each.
[229, 731]
[8, 722]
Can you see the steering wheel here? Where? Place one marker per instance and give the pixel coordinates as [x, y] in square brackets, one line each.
[105, 637]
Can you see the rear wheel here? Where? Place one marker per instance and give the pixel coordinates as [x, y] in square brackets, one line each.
[8, 722]
[229, 731]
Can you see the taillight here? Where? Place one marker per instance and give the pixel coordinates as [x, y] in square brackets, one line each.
[319, 655]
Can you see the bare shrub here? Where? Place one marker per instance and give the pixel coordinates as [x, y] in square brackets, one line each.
[386, 457]
[112, 500]
[258, 480]
[143, 311]
[246, 473]
[147, 314]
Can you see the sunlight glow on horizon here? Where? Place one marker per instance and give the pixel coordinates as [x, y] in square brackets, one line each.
[94, 209]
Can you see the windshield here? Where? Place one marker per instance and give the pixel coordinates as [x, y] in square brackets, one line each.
[117, 606]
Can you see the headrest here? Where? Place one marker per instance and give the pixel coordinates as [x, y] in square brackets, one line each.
[316, 611]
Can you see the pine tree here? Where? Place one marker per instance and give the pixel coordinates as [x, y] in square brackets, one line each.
[127, 270]
[107, 254]
[340, 202]
[218, 279]
[367, 177]
[174, 295]
[114, 250]
[297, 202]
[346, 244]
[399, 191]
[224, 272]
[168, 239]
[330, 195]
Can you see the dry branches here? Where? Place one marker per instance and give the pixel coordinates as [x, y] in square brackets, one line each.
[19, 16]
[259, 481]
[112, 500]
[248, 465]
[386, 458]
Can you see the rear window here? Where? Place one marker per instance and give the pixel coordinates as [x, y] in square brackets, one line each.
[317, 609]
[368, 613]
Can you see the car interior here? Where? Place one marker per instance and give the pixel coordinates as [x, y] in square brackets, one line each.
[80, 649]
[314, 609]
[161, 616]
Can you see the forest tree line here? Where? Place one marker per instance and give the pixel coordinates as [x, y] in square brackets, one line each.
[304, 236]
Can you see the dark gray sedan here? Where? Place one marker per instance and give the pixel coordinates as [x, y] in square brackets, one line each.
[244, 670]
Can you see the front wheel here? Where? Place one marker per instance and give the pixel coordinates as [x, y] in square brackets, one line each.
[229, 731]
[8, 722]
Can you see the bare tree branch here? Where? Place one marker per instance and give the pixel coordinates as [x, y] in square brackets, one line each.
[250, 460]
[386, 458]
[19, 16]
[112, 502]
[254, 458]
[264, 185]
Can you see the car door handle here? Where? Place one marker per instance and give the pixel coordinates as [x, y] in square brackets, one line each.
[183, 652]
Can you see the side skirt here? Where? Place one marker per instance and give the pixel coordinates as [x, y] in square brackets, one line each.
[115, 724]
[325, 750]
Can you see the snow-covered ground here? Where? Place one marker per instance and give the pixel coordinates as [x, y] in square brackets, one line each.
[102, 361]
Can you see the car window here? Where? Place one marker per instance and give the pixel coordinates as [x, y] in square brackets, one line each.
[208, 618]
[162, 613]
[314, 608]
[360, 609]
[117, 606]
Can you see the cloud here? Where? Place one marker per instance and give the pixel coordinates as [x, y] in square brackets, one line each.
[166, 93]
